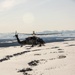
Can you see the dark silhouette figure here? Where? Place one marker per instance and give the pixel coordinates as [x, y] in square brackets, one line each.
[30, 41]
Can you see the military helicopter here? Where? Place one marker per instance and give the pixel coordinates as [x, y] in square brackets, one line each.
[32, 40]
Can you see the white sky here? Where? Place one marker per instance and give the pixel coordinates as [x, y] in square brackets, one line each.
[39, 15]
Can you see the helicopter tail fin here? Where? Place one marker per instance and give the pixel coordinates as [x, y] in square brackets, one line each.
[16, 33]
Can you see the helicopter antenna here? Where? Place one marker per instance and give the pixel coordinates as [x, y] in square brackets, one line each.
[33, 33]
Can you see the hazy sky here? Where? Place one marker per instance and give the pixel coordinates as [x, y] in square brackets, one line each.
[39, 15]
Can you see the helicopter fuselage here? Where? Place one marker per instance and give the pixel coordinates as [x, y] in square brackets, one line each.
[31, 41]
[34, 41]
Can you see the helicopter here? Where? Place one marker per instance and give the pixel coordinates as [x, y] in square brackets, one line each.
[32, 40]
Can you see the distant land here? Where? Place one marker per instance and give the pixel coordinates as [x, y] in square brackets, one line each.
[22, 35]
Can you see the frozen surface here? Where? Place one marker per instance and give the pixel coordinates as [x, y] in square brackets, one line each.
[57, 58]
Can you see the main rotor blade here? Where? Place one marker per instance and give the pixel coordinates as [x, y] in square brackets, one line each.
[43, 34]
[27, 34]
[49, 34]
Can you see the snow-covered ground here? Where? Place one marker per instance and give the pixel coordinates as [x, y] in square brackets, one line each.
[57, 58]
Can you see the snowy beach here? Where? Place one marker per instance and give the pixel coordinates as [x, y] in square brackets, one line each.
[57, 58]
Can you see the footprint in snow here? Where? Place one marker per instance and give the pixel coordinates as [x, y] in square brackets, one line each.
[54, 47]
[61, 52]
[24, 71]
[61, 56]
[33, 63]
[72, 45]
[60, 49]
[36, 54]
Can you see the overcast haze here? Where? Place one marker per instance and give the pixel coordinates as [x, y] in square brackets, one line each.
[39, 15]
